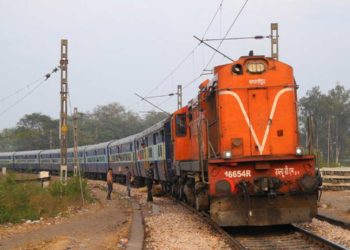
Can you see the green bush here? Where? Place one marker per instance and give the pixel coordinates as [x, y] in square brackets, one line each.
[71, 190]
[29, 201]
[16, 199]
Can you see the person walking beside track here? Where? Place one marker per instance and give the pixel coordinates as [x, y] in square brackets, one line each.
[149, 182]
[109, 183]
[128, 180]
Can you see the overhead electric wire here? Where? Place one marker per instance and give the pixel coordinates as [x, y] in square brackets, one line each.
[167, 76]
[22, 98]
[217, 49]
[20, 90]
[212, 20]
[213, 55]
[185, 59]
[227, 32]
[174, 70]
[189, 54]
[46, 76]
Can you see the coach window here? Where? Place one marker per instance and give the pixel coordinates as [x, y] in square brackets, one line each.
[162, 134]
[180, 125]
[155, 135]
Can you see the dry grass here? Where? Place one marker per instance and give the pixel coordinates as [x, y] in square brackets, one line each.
[29, 201]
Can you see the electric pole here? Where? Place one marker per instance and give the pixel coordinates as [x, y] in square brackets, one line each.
[51, 139]
[75, 139]
[179, 96]
[63, 114]
[329, 139]
[274, 41]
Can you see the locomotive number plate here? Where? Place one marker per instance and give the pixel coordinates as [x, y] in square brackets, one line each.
[238, 173]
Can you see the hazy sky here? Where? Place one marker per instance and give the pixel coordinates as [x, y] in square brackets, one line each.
[117, 48]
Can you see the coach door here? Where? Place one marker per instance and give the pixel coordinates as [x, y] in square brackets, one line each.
[168, 149]
[259, 119]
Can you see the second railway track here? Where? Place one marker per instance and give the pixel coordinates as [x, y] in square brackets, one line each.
[280, 237]
[333, 221]
[271, 237]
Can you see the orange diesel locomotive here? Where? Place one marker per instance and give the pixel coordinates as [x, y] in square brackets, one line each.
[236, 147]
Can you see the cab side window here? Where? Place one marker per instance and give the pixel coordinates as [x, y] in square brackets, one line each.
[180, 121]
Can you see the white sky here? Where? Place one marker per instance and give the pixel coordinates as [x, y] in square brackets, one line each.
[117, 48]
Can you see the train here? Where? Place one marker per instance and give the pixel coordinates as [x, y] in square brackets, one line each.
[233, 150]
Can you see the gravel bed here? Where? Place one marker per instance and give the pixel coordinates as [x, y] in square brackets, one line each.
[331, 232]
[168, 225]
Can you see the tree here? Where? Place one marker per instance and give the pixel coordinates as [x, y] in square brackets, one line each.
[331, 117]
[105, 123]
[36, 131]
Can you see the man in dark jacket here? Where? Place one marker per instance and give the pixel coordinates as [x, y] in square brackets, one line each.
[109, 183]
[149, 182]
[128, 180]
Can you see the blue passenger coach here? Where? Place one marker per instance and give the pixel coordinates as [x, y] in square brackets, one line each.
[121, 155]
[81, 157]
[50, 160]
[150, 148]
[6, 160]
[27, 160]
[96, 159]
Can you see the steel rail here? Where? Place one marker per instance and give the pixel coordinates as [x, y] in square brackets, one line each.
[205, 217]
[333, 221]
[317, 238]
[239, 244]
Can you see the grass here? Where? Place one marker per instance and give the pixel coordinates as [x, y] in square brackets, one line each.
[29, 201]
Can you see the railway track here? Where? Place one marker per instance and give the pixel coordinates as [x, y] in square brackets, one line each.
[272, 237]
[280, 237]
[333, 221]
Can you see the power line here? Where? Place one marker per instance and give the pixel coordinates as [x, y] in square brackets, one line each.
[22, 98]
[169, 75]
[227, 32]
[174, 70]
[213, 55]
[29, 85]
[20, 90]
[192, 51]
[185, 59]
[212, 20]
[218, 47]
[47, 76]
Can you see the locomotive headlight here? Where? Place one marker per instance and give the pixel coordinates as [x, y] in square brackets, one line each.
[227, 155]
[299, 151]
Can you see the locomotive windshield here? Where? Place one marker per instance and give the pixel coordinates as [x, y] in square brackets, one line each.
[180, 121]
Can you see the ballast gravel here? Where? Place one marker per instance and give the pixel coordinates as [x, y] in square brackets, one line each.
[169, 225]
[331, 232]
